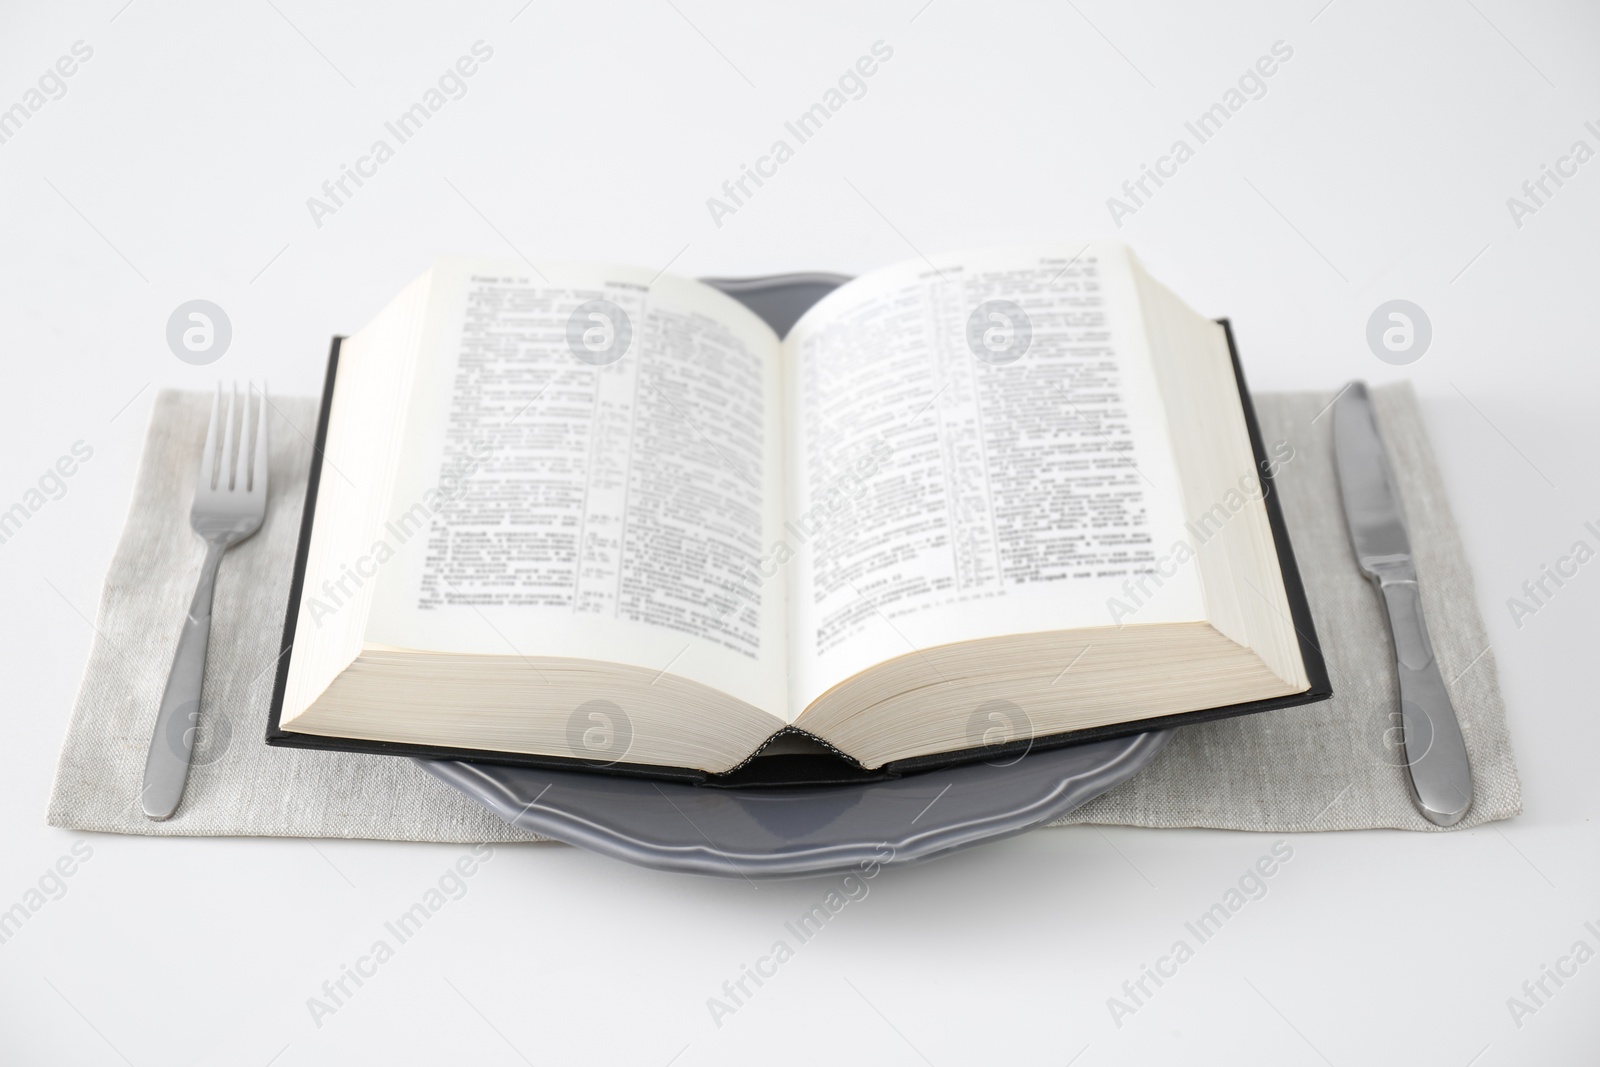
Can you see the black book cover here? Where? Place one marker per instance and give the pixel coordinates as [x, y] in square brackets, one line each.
[820, 768]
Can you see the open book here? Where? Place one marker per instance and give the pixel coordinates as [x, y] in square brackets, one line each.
[599, 516]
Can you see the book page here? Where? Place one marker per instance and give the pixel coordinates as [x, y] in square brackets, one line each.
[593, 466]
[978, 449]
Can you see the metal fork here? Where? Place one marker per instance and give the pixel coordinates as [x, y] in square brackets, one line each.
[230, 501]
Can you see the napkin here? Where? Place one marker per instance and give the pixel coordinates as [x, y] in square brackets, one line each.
[1326, 766]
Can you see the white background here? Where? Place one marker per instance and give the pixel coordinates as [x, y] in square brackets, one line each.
[1377, 165]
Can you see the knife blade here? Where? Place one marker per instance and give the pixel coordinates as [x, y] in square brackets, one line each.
[1438, 771]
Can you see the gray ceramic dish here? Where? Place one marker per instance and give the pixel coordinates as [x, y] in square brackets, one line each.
[767, 831]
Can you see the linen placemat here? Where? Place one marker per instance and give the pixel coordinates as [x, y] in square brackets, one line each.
[1325, 766]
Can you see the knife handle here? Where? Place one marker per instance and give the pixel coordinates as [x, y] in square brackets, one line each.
[1437, 768]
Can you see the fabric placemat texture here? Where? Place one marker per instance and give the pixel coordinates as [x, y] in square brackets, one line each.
[1336, 765]
[1326, 766]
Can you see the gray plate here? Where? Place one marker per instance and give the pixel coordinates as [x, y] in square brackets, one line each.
[765, 831]
[762, 832]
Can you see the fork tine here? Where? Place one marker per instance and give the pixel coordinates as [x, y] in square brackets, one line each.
[208, 459]
[258, 474]
[228, 458]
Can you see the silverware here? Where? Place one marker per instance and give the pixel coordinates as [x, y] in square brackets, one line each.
[1437, 768]
[230, 500]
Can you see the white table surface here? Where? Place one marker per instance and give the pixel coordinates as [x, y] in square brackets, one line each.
[1377, 165]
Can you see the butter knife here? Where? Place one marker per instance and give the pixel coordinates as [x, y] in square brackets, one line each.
[1438, 772]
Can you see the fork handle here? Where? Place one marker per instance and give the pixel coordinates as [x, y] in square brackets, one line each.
[166, 768]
